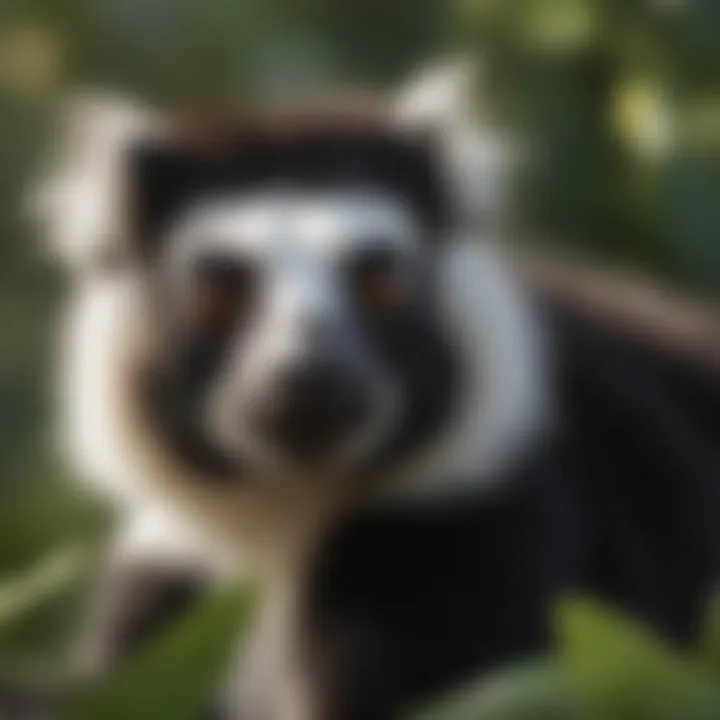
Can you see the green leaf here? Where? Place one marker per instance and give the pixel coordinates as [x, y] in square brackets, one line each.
[22, 595]
[623, 670]
[174, 677]
[710, 635]
[530, 691]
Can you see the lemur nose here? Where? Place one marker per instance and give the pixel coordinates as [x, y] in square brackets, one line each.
[318, 381]
[316, 400]
[316, 367]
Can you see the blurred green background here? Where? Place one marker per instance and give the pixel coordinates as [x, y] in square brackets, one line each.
[618, 102]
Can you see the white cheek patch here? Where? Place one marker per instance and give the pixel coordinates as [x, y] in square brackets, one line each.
[97, 349]
[505, 405]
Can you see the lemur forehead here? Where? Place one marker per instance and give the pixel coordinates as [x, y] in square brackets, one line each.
[310, 152]
[326, 223]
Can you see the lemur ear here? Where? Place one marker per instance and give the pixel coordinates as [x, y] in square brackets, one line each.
[441, 100]
[77, 206]
[439, 95]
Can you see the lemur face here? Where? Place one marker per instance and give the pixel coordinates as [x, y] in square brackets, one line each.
[298, 331]
[295, 300]
[294, 305]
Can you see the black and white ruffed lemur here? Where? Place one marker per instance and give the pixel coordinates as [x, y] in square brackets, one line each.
[295, 349]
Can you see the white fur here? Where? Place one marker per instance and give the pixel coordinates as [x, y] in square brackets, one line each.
[280, 224]
[478, 160]
[78, 205]
[504, 405]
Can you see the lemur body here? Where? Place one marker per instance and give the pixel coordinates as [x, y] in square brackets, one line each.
[304, 364]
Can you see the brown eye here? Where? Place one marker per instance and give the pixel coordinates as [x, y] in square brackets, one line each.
[213, 308]
[222, 294]
[379, 286]
[382, 294]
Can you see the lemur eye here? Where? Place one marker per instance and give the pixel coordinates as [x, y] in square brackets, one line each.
[222, 293]
[379, 286]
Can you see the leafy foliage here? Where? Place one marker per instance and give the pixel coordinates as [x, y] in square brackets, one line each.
[175, 677]
[618, 101]
[608, 668]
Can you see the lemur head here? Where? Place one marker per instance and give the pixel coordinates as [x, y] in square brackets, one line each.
[289, 278]
[279, 298]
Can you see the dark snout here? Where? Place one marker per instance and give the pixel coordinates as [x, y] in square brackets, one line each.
[312, 403]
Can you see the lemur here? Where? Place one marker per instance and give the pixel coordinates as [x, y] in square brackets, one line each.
[295, 349]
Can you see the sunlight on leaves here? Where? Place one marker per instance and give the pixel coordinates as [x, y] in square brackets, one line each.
[32, 60]
[641, 116]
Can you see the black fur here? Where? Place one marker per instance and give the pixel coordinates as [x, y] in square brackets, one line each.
[624, 503]
[166, 178]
